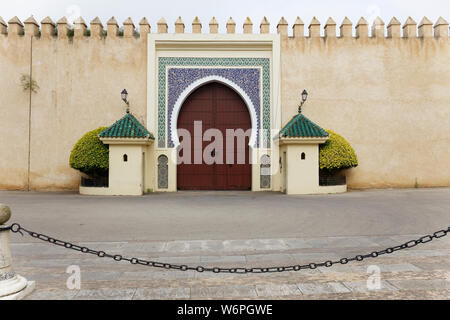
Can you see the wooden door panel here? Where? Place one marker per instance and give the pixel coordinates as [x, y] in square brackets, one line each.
[220, 107]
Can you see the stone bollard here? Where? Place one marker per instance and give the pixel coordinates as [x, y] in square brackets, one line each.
[12, 285]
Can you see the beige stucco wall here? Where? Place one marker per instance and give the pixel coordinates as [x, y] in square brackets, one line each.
[388, 97]
[80, 82]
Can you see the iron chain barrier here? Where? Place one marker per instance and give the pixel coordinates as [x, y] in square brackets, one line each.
[17, 228]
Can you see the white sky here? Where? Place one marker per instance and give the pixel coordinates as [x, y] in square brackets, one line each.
[223, 9]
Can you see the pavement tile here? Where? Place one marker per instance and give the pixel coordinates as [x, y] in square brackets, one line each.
[361, 286]
[207, 292]
[426, 265]
[105, 294]
[186, 246]
[421, 253]
[222, 275]
[277, 290]
[46, 277]
[322, 288]
[161, 293]
[399, 267]
[428, 284]
[365, 269]
[239, 291]
[344, 242]
[211, 292]
[254, 245]
[275, 258]
[51, 294]
[297, 243]
[223, 258]
[144, 247]
[177, 260]
[152, 274]
[317, 257]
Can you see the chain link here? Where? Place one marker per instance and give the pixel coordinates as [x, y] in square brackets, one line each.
[17, 228]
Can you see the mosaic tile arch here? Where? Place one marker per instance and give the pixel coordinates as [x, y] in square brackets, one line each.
[175, 74]
[182, 81]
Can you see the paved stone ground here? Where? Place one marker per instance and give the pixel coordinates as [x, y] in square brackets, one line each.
[417, 273]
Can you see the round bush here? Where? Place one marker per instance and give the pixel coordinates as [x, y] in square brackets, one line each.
[90, 155]
[336, 153]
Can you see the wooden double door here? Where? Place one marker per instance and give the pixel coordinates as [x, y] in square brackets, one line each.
[215, 106]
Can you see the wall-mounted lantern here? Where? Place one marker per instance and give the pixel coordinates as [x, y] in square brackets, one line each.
[304, 97]
[124, 95]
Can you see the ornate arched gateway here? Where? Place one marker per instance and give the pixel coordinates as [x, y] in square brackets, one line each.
[218, 107]
[221, 95]
[245, 69]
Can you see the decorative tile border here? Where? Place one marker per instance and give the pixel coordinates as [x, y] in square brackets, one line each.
[164, 62]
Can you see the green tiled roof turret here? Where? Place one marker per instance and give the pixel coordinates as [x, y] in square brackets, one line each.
[127, 127]
[301, 127]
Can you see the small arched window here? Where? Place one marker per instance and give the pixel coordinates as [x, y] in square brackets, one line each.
[303, 156]
[163, 172]
[265, 172]
[125, 158]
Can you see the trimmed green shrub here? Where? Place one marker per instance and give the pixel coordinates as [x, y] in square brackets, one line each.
[336, 154]
[89, 155]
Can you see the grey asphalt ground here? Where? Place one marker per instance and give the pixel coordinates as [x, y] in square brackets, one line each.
[229, 215]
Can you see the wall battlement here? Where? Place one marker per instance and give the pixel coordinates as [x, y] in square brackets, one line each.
[62, 29]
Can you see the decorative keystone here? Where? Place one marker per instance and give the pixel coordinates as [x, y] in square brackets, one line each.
[144, 27]
[213, 26]
[393, 28]
[330, 28]
[441, 28]
[3, 26]
[346, 28]
[248, 26]
[128, 28]
[162, 25]
[378, 28]
[80, 28]
[298, 28]
[425, 28]
[409, 28]
[48, 28]
[314, 28]
[264, 26]
[231, 26]
[282, 27]
[63, 28]
[179, 25]
[112, 27]
[15, 27]
[196, 26]
[31, 27]
[362, 28]
[5, 213]
[96, 27]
